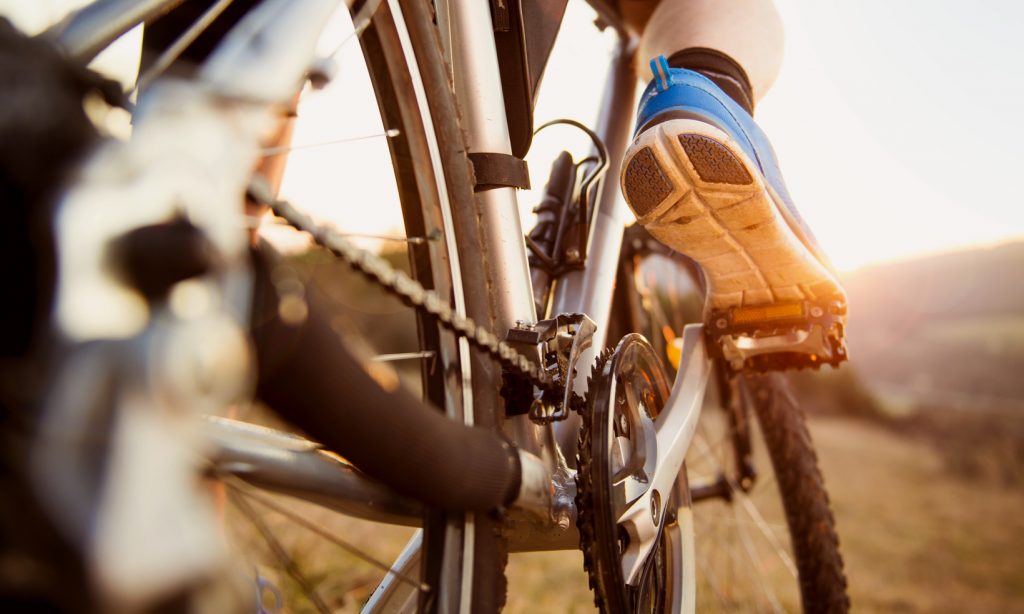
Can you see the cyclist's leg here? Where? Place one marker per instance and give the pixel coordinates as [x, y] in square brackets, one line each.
[748, 31]
[703, 179]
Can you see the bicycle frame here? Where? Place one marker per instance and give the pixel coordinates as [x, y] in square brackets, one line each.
[296, 467]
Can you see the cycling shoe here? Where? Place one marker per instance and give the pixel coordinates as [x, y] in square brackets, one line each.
[703, 179]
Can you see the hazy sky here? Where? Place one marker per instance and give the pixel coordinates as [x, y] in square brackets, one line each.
[896, 121]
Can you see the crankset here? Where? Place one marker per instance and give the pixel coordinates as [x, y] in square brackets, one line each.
[634, 561]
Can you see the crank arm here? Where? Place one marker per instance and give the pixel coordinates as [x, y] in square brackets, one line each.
[672, 432]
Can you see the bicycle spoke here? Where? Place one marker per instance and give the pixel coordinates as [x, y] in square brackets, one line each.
[748, 548]
[756, 516]
[707, 457]
[710, 578]
[403, 356]
[770, 535]
[278, 550]
[734, 577]
[412, 240]
[761, 484]
[240, 487]
[717, 445]
[360, 21]
[749, 523]
[273, 151]
[759, 522]
[180, 44]
[731, 524]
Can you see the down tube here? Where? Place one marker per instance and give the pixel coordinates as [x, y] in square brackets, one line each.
[590, 291]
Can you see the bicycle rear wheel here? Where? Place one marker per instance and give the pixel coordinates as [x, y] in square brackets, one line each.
[462, 555]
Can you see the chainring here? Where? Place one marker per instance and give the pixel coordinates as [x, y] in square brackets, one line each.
[627, 389]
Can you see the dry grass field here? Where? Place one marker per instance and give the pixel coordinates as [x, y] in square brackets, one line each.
[916, 537]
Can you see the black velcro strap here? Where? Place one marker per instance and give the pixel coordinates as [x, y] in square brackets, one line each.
[495, 170]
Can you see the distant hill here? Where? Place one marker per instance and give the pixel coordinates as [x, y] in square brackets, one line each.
[945, 329]
[987, 281]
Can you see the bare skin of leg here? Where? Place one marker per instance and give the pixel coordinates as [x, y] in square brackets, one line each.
[749, 31]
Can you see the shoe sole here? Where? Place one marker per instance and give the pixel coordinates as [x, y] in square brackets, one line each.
[694, 189]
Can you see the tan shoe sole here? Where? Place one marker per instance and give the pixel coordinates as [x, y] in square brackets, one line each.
[694, 189]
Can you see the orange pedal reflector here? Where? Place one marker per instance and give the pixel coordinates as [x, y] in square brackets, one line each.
[778, 311]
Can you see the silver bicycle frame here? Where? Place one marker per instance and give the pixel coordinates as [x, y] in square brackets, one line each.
[469, 43]
[282, 463]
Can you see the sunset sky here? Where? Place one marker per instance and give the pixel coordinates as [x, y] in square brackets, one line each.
[897, 123]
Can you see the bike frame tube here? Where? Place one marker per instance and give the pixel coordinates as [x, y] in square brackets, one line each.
[477, 82]
[288, 464]
[590, 291]
[87, 31]
[499, 289]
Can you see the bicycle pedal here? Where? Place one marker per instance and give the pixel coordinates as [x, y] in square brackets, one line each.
[780, 336]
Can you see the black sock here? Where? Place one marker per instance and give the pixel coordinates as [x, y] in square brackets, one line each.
[724, 71]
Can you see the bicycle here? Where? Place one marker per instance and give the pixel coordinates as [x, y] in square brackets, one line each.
[542, 309]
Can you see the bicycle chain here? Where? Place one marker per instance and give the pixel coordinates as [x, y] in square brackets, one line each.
[408, 290]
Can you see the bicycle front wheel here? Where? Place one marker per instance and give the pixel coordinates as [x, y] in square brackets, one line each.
[767, 539]
[764, 534]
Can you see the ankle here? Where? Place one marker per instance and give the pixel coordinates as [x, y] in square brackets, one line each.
[724, 71]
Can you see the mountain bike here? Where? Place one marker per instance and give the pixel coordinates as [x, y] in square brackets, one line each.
[572, 339]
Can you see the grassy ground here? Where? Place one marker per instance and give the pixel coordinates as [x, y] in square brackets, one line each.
[914, 538]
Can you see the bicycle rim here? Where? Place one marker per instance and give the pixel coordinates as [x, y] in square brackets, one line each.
[464, 555]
